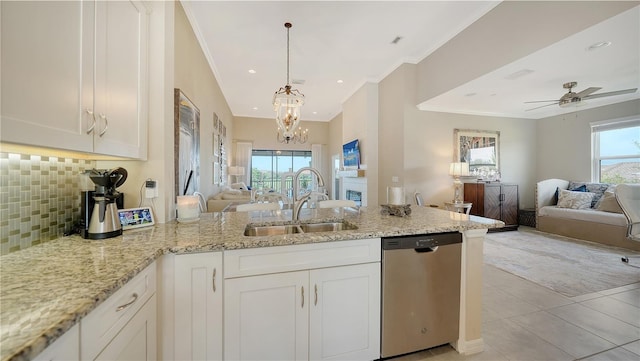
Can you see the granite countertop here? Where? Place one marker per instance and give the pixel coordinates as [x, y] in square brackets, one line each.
[46, 289]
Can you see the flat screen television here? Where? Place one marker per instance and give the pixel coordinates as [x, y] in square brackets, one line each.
[351, 154]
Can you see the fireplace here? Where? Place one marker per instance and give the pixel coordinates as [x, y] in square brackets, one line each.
[354, 189]
[355, 196]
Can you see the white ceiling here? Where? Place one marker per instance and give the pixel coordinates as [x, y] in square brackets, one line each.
[352, 42]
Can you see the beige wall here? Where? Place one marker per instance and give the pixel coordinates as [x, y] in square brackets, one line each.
[417, 146]
[564, 141]
[360, 121]
[176, 61]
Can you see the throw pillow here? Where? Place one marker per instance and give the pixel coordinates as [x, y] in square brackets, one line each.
[582, 188]
[574, 200]
[608, 202]
[596, 188]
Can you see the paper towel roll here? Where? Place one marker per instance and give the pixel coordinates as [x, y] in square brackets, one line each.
[395, 195]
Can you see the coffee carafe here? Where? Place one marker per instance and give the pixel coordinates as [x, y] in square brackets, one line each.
[104, 222]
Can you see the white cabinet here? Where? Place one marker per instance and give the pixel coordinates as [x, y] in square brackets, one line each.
[74, 75]
[137, 339]
[124, 325]
[198, 306]
[266, 317]
[303, 302]
[344, 317]
[67, 347]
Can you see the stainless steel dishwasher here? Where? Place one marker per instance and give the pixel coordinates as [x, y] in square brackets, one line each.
[420, 292]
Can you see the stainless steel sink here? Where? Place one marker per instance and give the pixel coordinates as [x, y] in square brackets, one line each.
[276, 230]
[326, 227]
[272, 230]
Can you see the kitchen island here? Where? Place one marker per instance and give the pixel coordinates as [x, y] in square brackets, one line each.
[46, 289]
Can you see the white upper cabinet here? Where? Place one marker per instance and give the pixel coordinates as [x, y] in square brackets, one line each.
[74, 76]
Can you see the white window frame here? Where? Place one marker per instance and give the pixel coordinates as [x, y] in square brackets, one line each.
[611, 124]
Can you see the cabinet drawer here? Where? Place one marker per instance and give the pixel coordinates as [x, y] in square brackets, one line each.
[101, 325]
[256, 261]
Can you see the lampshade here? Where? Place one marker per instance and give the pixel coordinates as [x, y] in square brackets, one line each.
[236, 170]
[459, 169]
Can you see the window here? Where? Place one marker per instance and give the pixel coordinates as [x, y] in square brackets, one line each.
[616, 151]
[268, 166]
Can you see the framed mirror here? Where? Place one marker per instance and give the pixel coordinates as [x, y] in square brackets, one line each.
[479, 148]
[187, 144]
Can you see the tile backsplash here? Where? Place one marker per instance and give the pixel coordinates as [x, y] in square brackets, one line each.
[39, 198]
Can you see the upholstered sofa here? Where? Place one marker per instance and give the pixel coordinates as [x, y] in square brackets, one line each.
[220, 201]
[582, 210]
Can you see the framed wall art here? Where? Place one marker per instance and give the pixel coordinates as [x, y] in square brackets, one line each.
[186, 144]
[479, 148]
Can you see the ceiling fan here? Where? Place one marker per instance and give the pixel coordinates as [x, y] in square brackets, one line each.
[571, 98]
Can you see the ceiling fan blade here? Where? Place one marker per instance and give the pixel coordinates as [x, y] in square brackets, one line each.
[617, 92]
[542, 101]
[587, 91]
[542, 106]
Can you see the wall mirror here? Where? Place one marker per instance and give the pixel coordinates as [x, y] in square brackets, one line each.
[479, 148]
[187, 144]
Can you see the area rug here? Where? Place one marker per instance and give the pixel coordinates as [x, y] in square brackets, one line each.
[565, 265]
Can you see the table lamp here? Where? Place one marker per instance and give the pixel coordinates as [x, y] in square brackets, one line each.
[236, 171]
[457, 170]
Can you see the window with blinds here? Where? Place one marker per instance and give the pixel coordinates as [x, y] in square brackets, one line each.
[616, 151]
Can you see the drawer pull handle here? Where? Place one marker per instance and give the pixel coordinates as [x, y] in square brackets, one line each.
[302, 296]
[315, 303]
[135, 298]
[214, 280]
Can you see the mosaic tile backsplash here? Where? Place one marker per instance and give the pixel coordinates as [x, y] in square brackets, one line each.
[39, 198]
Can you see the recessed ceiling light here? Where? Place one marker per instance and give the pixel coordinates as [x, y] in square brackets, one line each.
[598, 45]
[340, 81]
[255, 108]
[470, 94]
[518, 74]
[251, 71]
[315, 113]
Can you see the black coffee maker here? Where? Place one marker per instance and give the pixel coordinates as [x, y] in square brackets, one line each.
[99, 208]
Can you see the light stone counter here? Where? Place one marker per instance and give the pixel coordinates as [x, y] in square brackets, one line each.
[46, 289]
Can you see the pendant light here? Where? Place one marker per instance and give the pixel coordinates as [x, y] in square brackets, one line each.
[286, 104]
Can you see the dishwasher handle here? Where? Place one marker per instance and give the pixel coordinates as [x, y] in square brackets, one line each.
[426, 249]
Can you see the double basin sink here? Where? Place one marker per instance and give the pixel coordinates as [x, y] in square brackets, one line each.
[275, 230]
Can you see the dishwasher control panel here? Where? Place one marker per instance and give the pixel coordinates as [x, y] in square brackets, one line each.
[421, 241]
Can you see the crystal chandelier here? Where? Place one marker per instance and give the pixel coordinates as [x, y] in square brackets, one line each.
[287, 103]
[299, 136]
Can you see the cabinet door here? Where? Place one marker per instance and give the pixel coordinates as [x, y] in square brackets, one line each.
[492, 201]
[120, 65]
[198, 306]
[345, 313]
[67, 347]
[510, 204]
[136, 340]
[474, 193]
[266, 317]
[43, 66]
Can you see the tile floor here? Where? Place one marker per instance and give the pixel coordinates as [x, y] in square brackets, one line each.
[528, 322]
